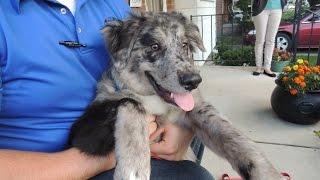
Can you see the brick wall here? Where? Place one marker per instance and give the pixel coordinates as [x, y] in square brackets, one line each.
[222, 14]
[170, 5]
[219, 18]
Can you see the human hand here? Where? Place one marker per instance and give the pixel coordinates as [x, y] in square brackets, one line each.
[152, 124]
[174, 143]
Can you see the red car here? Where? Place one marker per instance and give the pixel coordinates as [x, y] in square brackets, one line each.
[284, 36]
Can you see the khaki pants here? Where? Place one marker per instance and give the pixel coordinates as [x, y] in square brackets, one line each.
[266, 24]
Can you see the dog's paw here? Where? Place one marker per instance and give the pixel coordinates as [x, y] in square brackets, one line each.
[131, 173]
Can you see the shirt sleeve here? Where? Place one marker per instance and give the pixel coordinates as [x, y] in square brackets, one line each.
[2, 59]
[2, 48]
[122, 8]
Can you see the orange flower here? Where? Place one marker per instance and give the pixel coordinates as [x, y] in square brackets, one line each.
[293, 91]
[297, 80]
[303, 84]
[301, 78]
[316, 69]
[301, 72]
[285, 79]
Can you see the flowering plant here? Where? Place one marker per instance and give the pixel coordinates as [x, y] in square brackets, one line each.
[300, 77]
[279, 55]
[317, 133]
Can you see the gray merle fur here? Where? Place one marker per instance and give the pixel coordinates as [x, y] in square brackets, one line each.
[151, 60]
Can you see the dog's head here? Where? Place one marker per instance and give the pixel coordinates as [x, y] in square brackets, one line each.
[153, 54]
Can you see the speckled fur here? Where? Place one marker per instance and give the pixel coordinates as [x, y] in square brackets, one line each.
[129, 43]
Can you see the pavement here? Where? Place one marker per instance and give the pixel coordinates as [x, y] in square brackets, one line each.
[245, 100]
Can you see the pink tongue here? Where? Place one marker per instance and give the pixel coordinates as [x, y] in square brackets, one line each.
[184, 101]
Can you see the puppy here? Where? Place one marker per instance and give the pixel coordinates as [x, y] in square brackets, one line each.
[152, 72]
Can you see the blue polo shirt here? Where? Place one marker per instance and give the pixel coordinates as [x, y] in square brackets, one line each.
[46, 86]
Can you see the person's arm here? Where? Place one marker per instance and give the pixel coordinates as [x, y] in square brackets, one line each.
[68, 164]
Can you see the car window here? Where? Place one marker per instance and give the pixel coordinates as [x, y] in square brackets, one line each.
[315, 18]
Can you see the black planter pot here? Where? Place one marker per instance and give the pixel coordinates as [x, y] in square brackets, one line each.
[304, 109]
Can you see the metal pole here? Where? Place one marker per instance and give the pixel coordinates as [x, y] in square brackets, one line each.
[222, 25]
[296, 27]
[211, 51]
[202, 35]
[191, 18]
[318, 60]
[312, 21]
[232, 17]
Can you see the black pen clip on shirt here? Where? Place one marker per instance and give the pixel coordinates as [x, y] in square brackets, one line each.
[72, 44]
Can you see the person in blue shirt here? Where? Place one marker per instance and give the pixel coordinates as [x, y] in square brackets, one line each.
[51, 56]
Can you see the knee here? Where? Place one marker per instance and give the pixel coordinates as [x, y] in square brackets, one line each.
[195, 171]
[179, 170]
[259, 42]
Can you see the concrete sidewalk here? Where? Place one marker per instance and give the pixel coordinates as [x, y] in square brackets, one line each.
[245, 100]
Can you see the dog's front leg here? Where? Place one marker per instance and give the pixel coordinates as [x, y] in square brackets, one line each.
[132, 143]
[222, 138]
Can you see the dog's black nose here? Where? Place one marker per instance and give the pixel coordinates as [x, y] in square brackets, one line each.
[190, 81]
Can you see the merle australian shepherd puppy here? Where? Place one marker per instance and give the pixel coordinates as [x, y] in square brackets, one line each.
[152, 72]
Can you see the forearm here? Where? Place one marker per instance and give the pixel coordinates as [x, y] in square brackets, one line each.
[69, 164]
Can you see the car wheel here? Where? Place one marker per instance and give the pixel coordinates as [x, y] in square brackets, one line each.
[283, 42]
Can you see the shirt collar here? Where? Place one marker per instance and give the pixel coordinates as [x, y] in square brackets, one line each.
[16, 4]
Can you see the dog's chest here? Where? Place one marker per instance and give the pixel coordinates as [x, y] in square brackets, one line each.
[156, 106]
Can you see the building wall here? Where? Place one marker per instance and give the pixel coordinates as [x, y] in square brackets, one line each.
[170, 5]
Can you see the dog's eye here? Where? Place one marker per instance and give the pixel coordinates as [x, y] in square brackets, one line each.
[184, 45]
[155, 47]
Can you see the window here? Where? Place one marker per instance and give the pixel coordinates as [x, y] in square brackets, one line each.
[315, 17]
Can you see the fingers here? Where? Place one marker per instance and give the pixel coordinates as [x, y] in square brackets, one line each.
[159, 148]
[151, 118]
[156, 134]
[152, 123]
[152, 128]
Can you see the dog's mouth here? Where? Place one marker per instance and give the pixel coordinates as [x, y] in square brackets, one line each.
[183, 100]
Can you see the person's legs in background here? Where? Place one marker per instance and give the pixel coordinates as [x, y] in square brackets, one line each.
[260, 24]
[169, 170]
[272, 29]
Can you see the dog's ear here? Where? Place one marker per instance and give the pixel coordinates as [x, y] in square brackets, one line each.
[118, 34]
[193, 34]
[111, 33]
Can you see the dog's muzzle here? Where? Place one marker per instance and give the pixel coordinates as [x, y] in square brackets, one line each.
[189, 81]
[183, 100]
